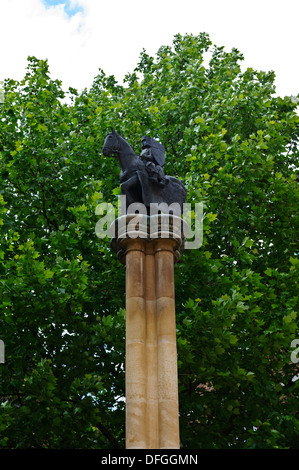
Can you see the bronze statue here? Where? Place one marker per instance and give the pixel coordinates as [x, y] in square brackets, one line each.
[142, 177]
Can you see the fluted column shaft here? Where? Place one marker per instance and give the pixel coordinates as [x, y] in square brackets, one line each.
[152, 412]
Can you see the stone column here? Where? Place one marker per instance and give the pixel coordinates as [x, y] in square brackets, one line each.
[152, 416]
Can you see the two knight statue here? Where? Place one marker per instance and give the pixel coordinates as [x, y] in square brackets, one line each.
[142, 177]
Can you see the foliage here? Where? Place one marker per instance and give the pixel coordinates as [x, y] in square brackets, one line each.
[234, 144]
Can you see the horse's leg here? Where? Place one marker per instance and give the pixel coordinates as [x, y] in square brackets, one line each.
[131, 189]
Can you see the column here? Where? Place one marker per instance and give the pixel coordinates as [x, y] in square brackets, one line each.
[152, 411]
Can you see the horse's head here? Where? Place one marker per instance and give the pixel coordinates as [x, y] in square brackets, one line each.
[111, 145]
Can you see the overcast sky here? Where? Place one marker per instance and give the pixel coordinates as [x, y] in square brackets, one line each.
[80, 36]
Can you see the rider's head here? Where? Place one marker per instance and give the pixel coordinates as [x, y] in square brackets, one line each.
[145, 142]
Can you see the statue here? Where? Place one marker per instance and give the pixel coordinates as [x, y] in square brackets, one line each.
[142, 177]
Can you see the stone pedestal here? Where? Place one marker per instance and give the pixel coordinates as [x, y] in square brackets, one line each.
[149, 254]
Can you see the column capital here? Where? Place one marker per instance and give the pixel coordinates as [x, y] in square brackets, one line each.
[149, 234]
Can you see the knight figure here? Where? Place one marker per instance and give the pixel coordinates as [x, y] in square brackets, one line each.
[153, 154]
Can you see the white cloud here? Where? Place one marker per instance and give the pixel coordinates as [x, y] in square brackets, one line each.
[111, 35]
[28, 28]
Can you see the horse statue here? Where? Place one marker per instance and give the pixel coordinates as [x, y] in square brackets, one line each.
[136, 176]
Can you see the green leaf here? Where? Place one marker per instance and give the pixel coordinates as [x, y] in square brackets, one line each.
[211, 216]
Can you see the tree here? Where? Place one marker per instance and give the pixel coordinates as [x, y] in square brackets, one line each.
[235, 146]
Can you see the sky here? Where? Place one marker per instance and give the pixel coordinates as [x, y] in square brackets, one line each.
[80, 36]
